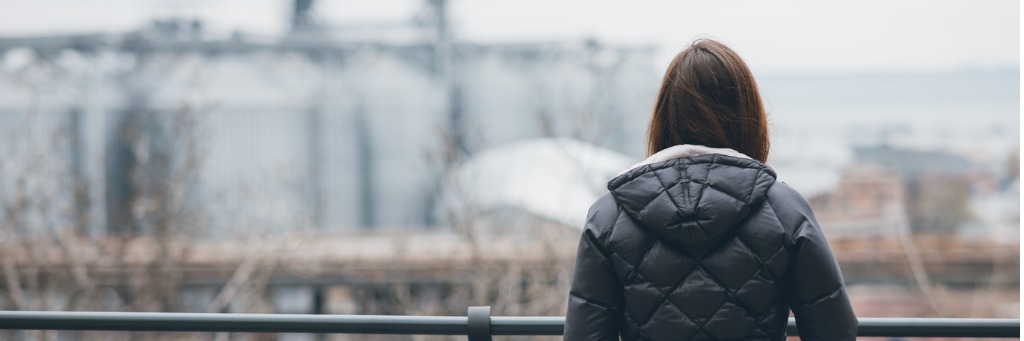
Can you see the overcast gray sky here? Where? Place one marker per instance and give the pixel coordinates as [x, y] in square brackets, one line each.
[784, 36]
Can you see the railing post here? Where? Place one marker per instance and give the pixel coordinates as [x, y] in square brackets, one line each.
[479, 323]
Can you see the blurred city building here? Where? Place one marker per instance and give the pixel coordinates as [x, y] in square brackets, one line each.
[391, 168]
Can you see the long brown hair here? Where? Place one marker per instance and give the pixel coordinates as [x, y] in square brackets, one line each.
[709, 97]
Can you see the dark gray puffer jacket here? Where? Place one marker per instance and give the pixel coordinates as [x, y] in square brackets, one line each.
[708, 247]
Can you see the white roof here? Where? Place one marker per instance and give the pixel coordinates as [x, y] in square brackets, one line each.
[556, 179]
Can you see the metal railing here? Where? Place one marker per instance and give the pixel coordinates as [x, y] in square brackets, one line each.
[477, 324]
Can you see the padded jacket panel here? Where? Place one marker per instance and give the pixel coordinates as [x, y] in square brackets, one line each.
[708, 247]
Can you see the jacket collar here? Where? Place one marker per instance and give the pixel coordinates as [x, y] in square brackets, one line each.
[685, 150]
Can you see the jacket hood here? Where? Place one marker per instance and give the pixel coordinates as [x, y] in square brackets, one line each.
[691, 195]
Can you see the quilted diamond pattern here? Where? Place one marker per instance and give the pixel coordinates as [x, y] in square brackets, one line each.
[732, 265]
[700, 273]
[644, 302]
[653, 267]
[753, 294]
[699, 296]
[730, 323]
[696, 248]
[669, 320]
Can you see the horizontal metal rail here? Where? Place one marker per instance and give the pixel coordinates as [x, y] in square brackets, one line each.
[436, 325]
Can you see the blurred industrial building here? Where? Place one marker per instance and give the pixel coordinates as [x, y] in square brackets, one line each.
[394, 169]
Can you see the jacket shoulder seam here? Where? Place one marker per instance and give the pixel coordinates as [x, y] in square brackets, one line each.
[820, 298]
[592, 302]
[775, 213]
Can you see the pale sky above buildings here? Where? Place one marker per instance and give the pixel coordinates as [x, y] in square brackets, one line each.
[784, 36]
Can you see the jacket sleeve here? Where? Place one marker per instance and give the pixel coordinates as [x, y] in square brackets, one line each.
[816, 292]
[595, 296]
